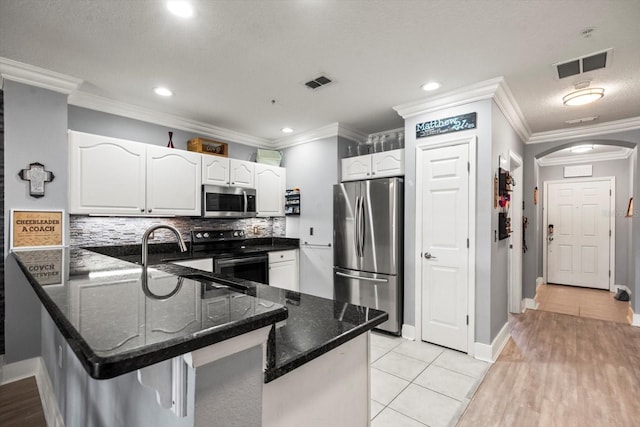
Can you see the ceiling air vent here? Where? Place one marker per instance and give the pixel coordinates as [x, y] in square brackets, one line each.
[583, 64]
[318, 82]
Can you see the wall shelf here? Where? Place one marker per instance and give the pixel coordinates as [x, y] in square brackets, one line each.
[292, 202]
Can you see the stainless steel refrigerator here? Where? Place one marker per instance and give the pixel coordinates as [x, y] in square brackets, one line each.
[367, 246]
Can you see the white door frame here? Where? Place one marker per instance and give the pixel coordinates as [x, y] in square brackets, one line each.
[515, 249]
[612, 224]
[439, 142]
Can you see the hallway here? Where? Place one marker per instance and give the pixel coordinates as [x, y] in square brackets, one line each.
[582, 302]
[564, 369]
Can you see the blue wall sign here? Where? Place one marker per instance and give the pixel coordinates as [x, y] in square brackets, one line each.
[450, 124]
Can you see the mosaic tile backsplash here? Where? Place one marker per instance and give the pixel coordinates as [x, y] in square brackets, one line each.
[108, 231]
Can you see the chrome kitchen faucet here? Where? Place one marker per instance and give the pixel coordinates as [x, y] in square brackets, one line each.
[145, 240]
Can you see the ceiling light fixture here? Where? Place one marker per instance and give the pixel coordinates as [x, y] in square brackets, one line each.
[430, 86]
[583, 96]
[163, 91]
[286, 130]
[180, 8]
[581, 148]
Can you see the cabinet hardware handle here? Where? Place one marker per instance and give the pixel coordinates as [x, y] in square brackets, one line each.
[149, 210]
[142, 210]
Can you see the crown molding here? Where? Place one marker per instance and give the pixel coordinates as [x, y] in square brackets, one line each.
[621, 154]
[106, 105]
[328, 131]
[586, 131]
[39, 77]
[495, 89]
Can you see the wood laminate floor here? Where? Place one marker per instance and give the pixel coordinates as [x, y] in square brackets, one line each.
[583, 302]
[561, 370]
[20, 404]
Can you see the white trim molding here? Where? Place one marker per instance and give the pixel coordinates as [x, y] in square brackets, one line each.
[39, 77]
[328, 131]
[106, 105]
[539, 281]
[490, 353]
[529, 304]
[585, 131]
[409, 332]
[633, 318]
[495, 89]
[622, 153]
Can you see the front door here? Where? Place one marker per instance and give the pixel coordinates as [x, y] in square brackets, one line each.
[444, 240]
[578, 233]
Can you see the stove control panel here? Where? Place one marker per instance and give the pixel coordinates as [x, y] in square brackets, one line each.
[208, 236]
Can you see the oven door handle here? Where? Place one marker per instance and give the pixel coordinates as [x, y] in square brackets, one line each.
[225, 262]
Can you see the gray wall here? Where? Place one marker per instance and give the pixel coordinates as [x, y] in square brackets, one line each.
[621, 171]
[532, 266]
[484, 211]
[504, 140]
[313, 168]
[35, 131]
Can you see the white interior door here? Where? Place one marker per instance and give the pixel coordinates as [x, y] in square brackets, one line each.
[515, 240]
[445, 255]
[578, 233]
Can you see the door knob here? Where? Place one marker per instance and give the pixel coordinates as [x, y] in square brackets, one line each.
[427, 255]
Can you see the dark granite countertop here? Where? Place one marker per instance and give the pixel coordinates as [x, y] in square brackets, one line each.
[116, 321]
[313, 327]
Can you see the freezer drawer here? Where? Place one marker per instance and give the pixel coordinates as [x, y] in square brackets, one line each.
[379, 291]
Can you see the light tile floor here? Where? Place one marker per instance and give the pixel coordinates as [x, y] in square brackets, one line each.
[416, 384]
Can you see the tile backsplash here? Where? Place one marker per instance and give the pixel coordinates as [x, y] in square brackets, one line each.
[108, 231]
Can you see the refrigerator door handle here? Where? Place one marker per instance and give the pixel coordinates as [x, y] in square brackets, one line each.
[356, 231]
[369, 279]
[361, 230]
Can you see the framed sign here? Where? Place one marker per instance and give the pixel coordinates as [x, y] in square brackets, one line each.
[450, 124]
[36, 229]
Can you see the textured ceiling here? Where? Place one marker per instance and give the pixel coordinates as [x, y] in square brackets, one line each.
[233, 58]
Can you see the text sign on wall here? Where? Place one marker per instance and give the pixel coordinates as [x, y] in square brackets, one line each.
[450, 124]
[36, 228]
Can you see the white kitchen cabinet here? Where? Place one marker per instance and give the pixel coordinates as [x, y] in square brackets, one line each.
[376, 165]
[110, 176]
[174, 178]
[283, 270]
[241, 173]
[270, 189]
[106, 175]
[215, 170]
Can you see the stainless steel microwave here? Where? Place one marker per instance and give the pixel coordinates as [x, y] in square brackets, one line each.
[228, 202]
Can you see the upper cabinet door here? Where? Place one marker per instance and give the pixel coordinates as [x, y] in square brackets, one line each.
[215, 170]
[354, 168]
[106, 175]
[387, 163]
[270, 189]
[174, 180]
[241, 173]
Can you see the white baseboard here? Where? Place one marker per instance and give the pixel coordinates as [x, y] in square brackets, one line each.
[35, 367]
[529, 304]
[19, 370]
[409, 332]
[635, 318]
[489, 353]
[539, 281]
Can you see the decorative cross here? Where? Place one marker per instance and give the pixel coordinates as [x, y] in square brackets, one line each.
[37, 177]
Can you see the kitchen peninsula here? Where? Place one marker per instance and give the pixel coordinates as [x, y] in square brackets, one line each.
[172, 346]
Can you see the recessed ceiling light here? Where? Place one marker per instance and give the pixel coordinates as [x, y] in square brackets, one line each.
[180, 8]
[584, 96]
[430, 86]
[286, 130]
[163, 91]
[581, 148]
